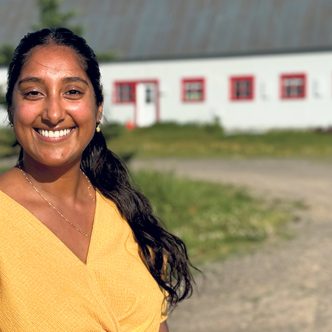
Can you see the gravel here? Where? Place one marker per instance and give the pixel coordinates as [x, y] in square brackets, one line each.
[286, 286]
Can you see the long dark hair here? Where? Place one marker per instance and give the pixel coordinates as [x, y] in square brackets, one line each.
[164, 254]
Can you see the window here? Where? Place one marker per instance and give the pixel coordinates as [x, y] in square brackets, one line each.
[293, 86]
[193, 90]
[149, 93]
[125, 92]
[242, 88]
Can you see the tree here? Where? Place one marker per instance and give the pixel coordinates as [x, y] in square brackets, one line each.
[50, 16]
[6, 52]
[2, 96]
[106, 56]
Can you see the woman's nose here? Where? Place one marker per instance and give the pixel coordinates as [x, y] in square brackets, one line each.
[54, 111]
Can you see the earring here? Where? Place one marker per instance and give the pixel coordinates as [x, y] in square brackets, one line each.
[98, 130]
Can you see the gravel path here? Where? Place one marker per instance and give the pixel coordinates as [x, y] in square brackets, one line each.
[285, 286]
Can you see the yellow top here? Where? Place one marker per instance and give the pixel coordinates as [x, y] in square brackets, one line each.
[45, 287]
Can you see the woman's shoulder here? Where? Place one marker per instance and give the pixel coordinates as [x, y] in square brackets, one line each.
[6, 179]
[10, 182]
[108, 206]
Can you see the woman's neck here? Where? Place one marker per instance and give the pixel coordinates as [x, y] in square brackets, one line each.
[61, 181]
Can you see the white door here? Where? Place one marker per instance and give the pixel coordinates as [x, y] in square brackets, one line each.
[146, 104]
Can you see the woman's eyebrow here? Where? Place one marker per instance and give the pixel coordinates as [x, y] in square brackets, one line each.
[75, 79]
[66, 80]
[30, 79]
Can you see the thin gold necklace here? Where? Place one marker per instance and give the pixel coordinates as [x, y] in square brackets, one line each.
[78, 229]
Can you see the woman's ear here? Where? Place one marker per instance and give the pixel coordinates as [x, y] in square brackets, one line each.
[99, 113]
[10, 115]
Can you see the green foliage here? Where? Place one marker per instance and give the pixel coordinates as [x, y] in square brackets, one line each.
[202, 141]
[213, 220]
[209, 141]
[7, 142]
[51, 16]
[112, 131]
[106, 56]
[6, 52]
[2, 96]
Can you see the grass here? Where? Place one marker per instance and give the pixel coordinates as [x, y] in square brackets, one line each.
[204, 141]
[214, 220]
[7, 140]
[201, 141]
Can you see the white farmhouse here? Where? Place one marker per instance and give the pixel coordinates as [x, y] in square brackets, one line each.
[249, 64]
[243, 93]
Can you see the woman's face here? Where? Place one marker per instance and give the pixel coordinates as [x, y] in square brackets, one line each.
[54, 107]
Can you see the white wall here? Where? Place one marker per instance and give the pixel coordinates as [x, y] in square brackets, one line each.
[3, 112]
[266, 111]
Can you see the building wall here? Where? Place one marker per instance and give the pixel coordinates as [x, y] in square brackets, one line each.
[265, 111]
[3, 112]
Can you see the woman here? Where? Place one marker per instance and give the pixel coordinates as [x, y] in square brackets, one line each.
[80, 249]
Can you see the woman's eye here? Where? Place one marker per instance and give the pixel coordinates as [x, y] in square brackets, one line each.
[73, 93]
[33, 94]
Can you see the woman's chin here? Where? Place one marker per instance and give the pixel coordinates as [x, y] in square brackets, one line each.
[53, 161]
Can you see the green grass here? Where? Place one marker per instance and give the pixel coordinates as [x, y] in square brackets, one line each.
[7, 140]
[214, 220]
[204, 141]
[201, 141]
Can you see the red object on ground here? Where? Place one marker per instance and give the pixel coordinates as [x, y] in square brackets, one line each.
[130, 125]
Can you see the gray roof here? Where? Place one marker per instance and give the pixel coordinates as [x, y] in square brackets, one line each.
[145, 29]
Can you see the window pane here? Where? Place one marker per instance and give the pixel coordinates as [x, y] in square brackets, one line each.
[149, 94]
[125, 92]
[293, 86]
[193, 90]
[242, 88]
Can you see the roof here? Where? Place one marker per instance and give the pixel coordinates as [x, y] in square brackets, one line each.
[147, 29]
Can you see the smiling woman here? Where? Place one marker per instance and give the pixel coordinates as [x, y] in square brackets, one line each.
[53, 96]
[80, 249]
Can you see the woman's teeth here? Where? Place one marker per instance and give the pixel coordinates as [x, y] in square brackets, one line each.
[54, 133]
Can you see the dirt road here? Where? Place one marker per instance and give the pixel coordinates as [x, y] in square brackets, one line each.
[284, 287]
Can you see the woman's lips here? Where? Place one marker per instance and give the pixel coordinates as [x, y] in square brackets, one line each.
[54, 135]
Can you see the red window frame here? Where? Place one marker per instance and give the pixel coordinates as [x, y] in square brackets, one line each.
[238, 88]
[295, 91]
[119, 96]
[188, 92]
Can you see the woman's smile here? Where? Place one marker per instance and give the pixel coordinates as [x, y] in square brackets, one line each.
[54, 106]
[54, 135]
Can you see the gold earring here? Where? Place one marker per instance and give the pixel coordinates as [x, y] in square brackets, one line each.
[98, 130]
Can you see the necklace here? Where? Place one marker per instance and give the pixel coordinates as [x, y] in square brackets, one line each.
[50, 204]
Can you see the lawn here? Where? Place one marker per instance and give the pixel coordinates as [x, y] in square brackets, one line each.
[7, 140]
[200, 141]
[214, 220]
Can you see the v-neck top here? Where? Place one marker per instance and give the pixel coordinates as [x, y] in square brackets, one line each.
[44, 286]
